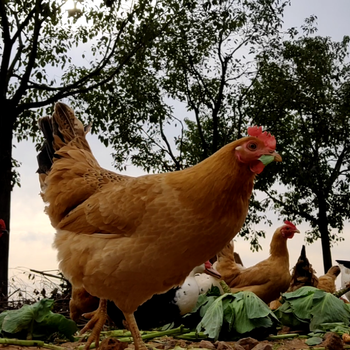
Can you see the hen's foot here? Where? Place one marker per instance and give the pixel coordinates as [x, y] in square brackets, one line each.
[97, 320]
[134, 329]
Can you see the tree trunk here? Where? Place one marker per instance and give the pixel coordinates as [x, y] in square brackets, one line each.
[323, 227]
[6, 127]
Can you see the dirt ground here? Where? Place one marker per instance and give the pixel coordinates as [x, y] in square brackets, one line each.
[331, 342]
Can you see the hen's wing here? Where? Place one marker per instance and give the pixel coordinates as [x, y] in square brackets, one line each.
[111, 203]
[256, 275]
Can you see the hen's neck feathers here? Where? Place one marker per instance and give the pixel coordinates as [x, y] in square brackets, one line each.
[278, 246]
[221, 177]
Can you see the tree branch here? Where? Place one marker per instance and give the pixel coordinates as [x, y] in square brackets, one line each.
[170, 151]
[304, 215]
[76, 88]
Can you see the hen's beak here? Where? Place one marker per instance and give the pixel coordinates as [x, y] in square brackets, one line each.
[296, 231]
[271, 157]
[277, 157]
[211, 270]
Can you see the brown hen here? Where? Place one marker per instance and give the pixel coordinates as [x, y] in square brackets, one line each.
[126, 238]
[326, 282]
[267, 279]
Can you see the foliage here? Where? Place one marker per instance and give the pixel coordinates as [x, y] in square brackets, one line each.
[199, 64]
[49, 53]
[302, 93]
[313, 309]
[36, 321]
[68, 55]
[232, 315]
[180, 100]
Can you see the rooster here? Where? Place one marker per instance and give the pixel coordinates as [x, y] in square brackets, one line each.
[126, 238]
[268, 278]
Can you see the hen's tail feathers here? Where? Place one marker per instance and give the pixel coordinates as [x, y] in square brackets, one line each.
[47, 152]
[303, 254]
[334, 271]
[67, 127]
[61, 129]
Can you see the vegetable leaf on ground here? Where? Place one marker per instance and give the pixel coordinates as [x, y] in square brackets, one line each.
[311, 307]
[36, 321]
[230, 315]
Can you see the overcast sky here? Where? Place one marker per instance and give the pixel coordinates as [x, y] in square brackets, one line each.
[32, 234]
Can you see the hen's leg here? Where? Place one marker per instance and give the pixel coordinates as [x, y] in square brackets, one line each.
[97, 320]
[134, 329]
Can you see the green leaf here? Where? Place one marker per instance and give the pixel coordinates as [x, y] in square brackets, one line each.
[42, 309]
[212, 320]
[286, 316]
[37, 320]
[17, 320]
[2, 317]
[313, 341]
[55, 323]
[266, 159]
[238, 313]
[313, 307]
[328, 309]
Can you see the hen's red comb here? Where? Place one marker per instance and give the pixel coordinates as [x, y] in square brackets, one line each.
[208, 264]
[2, 224]
[290, 224]
[265, 136]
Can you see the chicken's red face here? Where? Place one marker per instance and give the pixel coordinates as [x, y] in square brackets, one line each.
[288, 230]
[257, 154]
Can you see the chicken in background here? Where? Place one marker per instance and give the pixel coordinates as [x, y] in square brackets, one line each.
[2, 227]
[303, 274]
[267, 279]
[81, 302]
[327, 282]
[227, 264]
[126, 238]
[206, 281]
[344, 275]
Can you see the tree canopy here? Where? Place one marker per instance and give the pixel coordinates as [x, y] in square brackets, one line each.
[302, 94]
[181, 99]
[48, 53]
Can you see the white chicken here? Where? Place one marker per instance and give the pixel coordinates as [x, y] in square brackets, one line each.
[344, 274]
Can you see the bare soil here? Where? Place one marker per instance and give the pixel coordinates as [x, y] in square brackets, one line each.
[331, 342]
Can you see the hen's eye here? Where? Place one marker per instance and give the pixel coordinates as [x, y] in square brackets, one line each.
[252, 146]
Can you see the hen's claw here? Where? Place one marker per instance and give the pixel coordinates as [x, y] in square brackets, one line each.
[97, 321]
